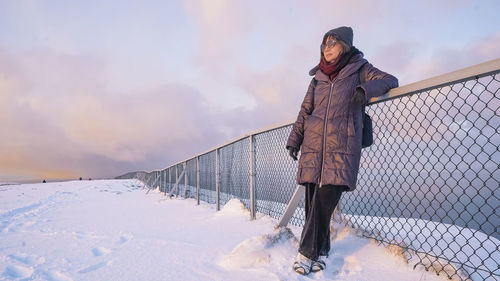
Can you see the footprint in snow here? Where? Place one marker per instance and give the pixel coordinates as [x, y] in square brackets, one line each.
[54, 275]
[94, 267]
[125, 238]
[30, 260]
[100, 251]
[18, 271]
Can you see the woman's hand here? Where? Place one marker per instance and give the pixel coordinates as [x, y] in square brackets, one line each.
[359, 97]
[293, 152]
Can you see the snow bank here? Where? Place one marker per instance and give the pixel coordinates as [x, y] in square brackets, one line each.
[459, 245]
[269, 250]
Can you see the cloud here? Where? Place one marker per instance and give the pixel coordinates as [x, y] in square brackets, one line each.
[230, 33]
[219, 24]
[427, 64]
[400, 58]
[412, 61]
[58, 118]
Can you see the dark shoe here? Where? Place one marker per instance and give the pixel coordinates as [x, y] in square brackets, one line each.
[302, 265]
[319, 264]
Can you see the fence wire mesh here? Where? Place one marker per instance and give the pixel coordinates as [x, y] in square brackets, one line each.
[234, 172]
[429, 183]
[161, 182]
[173, 178]
[167, 180]
[275, 175]
[181, 188]
[191, 179]
[207, 177]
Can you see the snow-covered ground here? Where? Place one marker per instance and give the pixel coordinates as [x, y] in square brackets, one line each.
[116, 230]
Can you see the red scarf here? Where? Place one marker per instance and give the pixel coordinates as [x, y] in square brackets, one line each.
[329, 68]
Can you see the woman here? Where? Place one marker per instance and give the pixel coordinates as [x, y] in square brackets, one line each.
[328, 131]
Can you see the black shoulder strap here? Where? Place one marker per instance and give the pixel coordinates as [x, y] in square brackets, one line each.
[362, 74]
[315, 82]
[362, 79]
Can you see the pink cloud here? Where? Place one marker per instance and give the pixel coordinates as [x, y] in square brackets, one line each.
[448, 59]
[218, 25]
[57, 115]
[62, 120]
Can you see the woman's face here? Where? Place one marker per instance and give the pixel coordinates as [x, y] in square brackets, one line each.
[331, 52]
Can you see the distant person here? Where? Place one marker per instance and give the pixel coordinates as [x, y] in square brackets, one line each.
[80, 178]
[44, 181]
[328, 131]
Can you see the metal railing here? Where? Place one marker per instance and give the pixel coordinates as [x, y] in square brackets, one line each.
[429, 183]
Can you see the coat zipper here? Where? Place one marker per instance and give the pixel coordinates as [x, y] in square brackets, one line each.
[324, 135]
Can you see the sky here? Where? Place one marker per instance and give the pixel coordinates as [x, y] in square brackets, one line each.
[100, 88]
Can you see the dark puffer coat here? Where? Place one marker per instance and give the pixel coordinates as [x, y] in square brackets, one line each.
[328, 129]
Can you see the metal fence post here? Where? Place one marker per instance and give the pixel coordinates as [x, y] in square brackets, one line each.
[217, 203]
[167, 190]
[337, 213]
[252, 178]
[197, 180]
[176, 178]
[185, 179]
[168, 181]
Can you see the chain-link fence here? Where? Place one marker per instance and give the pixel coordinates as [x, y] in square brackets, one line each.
[429, 183]
[207, 177]
[431, 180]
[275, 175]
[234, 172]
[191, 179]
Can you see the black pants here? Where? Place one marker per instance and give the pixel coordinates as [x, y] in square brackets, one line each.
[320, 203]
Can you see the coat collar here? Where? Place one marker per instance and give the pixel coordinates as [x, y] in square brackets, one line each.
[354, 64]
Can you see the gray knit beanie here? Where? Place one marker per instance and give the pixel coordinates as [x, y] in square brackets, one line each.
[343, 33]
